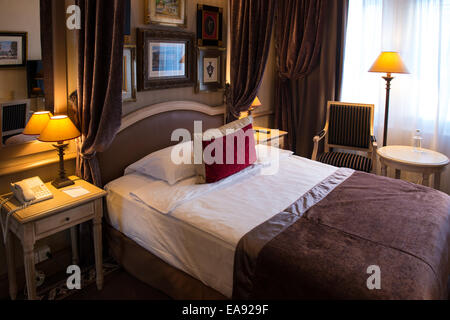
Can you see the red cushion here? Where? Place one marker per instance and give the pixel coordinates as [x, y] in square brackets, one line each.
[218, 171]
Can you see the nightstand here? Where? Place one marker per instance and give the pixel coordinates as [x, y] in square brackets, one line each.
[271, 137]
[46, 218]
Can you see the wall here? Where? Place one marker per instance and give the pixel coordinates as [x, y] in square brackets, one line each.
[146, 98]
[20, 16]
[263, 115]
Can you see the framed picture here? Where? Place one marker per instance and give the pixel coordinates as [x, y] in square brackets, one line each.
[13, 49]
[129, 74]
[211, 65]
[166, 12]
[209, 25]
[165, 59]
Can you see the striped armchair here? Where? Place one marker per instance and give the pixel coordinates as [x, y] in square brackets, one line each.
[349, 126]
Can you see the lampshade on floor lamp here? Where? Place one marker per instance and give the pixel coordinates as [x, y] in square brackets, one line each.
[60, 129]
[388, 62]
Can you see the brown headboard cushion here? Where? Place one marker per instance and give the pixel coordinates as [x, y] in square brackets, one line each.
[148, 135]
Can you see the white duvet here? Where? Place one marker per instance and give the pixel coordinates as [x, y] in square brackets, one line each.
[196, 227]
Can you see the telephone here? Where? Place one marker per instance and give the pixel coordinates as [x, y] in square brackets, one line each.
[30, 191]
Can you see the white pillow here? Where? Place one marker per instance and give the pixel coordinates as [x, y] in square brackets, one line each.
[160, 164]
[227, 129]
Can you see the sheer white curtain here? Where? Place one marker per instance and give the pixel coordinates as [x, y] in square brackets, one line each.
[420, 31]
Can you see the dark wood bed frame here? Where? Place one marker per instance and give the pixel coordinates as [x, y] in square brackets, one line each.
[142, 132]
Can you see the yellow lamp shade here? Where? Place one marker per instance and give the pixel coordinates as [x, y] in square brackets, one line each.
[59, 129]
[256, 103]
[37, 123]
[389, 62]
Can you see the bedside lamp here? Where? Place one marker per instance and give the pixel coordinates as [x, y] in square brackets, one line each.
[388, 62]
[255, 104]
[60, 129]
[37, 123]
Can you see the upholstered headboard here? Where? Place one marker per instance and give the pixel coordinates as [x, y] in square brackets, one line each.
[149, 129]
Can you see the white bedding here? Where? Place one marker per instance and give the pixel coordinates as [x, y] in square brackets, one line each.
[198, 233]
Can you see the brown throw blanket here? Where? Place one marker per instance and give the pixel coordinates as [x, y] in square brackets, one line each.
[322, 245]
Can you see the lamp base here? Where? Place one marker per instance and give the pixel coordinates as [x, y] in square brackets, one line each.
[62, 183]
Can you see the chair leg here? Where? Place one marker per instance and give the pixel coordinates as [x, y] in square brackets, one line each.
[374, 156]
[374, 163]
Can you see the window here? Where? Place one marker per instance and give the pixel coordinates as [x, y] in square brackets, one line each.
[420, 31]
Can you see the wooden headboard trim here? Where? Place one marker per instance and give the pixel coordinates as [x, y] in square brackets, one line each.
[154, 109]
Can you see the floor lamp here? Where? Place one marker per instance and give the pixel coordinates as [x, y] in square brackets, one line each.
[388, 62]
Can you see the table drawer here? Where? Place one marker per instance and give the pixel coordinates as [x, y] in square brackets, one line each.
[65, 218]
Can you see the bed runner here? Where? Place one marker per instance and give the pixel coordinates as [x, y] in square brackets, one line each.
[326, 244]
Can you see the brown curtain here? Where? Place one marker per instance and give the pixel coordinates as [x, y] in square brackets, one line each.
[251, 31]
[100, 54]
[310, 38]
[99, 105]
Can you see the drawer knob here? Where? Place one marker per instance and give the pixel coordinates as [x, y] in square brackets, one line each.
[67, 219]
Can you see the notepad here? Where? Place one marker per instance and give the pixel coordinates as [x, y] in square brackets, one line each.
[76, 192]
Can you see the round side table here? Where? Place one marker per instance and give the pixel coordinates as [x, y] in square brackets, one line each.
[406, 158]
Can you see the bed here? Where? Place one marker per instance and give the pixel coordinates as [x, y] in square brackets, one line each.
[298, 233]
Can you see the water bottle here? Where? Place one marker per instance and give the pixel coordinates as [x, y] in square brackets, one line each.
[417, 141]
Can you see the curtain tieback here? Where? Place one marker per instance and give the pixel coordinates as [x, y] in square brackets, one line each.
[87, 157]
[285, 78]
[282, 77]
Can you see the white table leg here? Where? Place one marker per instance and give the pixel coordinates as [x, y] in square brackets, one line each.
[426, 179]
[383, 170]
[11, 266]
[437, 180]
[98, 253]
[98, 243]
[30, 272]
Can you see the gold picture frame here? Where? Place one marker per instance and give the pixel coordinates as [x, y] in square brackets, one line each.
[166, 12]
[129, 74]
